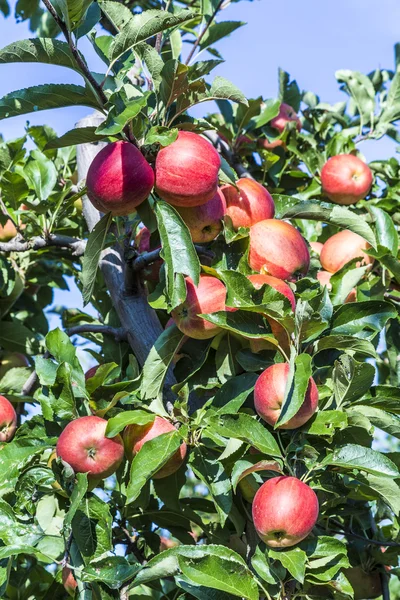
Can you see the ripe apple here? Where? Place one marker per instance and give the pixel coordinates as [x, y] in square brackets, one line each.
[284, 511]
[142, 241]
[187, 171]
[12, 360]
[264, 144]
[7, 231]
[286, 115]
[91, 372]
[253, 203]
[136, 435]
[324, 278]
[208, 297]
[119, 179]
[346, 179]
[8, 420]
[69, 582]
[83, 445]
[316, 247]
[269, 394]
[343, 247]
[278, 249]
[366, 585]
[205, 222]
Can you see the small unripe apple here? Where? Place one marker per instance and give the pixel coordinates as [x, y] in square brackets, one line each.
[208, 297]
[253, 203]
[91, 372]
[316, 247]
[284, 511]
[205, 222]
[69, 582]
[324, 277]
[278, 249]
[12, 360]
[345, 179]
[142, 241]
[366, 585]
[7, 231]
[187, 171]
[269, 394]
[286, 115]
[136, 435]
[119, 179]
[83, 445]
[8, 420]
[343, 247]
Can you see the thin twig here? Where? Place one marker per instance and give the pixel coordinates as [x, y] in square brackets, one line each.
[18, 244]
[201, 35]
[118, 333]
[76, 54]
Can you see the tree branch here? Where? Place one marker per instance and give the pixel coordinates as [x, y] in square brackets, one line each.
[363, 538]
[147, 258]
[118, 333]
[76, 54]
[197, 42]
[224, 149]
[18, 244]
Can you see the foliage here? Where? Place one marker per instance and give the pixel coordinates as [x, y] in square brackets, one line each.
[190, 535]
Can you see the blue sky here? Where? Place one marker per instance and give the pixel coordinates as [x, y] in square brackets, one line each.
[309, 39]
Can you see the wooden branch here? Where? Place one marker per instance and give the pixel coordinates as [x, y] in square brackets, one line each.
[18, 244]
[201, 35]
[224, 149]
[137, 318]
[147, 258]
[116, 332]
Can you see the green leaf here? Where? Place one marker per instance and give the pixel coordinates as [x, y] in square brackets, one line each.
[212, 473]
[151, 457]
[92, 527]
[158, 361]
[270, 111]
[177, 251]
[145, 25]
[244, 427]
[346, 343]
[201, 592]
[217, 31]
[360, 88]
[222, 89]
[386, 233]
[16, 337]
[43, 97]
[41, 173]
[344, 281]
[13, 460]
[39, 50]
[116, 120]
[234, 393]
[325, 423]
[242, 322]
[294, 560]
[385, 487]
[60, 346]
[353, 456]
[118, 14]
[161, 135]
[357, 317]
[296, 388]
[73, 11]
[118, 423]
[381, 419]
[174, 81]
[243, 468]
[351, 379]
[112, 570]
[79, 135]
[93, 250]
[391, 111]
[78, 493]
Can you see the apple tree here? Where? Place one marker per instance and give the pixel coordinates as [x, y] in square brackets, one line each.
[237, 436]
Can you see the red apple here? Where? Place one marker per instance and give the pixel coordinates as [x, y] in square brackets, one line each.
[208, 297]
[8, 420]
[12, 360]
[167, 543]
[69, 582]
[83, 445]
[346, 179]
[7, 231]
[324, 278]
[269, 394]
[119, 179]
[286, 115]
[187, 171]
[91, 372]
[136, 435]
[142, 241]
[278, 249]
[316, 247]
[205, 222]
[253, 203]
[264, 144]
[284, 511]
[343, 247]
